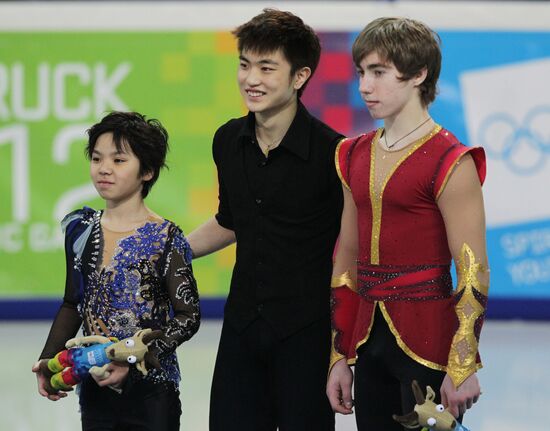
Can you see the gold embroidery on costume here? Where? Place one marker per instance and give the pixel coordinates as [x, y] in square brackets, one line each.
[448, 175]
[463, 353]
[343, 280]
[335, 356]
[337, 162]
[376, 198]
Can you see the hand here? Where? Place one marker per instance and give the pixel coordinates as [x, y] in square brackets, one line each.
[339, 388]
[461, 399]
[42, 383]
[115, 375]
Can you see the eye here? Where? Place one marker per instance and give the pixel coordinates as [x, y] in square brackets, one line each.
[359, 72]
[130, 343]
[431, 422]
[440, 408]
[119, 160]
[131, 359]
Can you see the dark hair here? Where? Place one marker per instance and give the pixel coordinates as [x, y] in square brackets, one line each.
[147, 139]
[274, 29]
[409, 44]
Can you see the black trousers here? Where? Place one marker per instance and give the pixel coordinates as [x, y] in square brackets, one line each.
[383, 377]
[263, 383]
[142, 406]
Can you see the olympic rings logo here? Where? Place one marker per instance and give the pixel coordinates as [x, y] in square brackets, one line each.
[523, 147]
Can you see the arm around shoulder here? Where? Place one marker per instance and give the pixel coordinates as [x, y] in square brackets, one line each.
[210, 237]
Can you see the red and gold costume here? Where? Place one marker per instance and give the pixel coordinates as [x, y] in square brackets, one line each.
[404, 259]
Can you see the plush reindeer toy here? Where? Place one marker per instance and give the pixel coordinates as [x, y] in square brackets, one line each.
[428, 414]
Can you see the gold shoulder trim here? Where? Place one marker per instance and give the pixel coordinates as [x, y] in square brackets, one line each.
[448, 175]
[337, 162]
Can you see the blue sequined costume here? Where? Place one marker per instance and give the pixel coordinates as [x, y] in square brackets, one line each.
[148, 283]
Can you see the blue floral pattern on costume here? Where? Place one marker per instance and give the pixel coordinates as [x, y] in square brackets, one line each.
[149, 283]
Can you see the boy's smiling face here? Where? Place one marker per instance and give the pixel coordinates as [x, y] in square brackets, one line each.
[265, 82]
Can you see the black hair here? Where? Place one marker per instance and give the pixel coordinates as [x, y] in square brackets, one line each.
[274, 29]
[147, 139]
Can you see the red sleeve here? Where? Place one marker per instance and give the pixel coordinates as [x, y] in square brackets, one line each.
[451, 159]
[342, 158]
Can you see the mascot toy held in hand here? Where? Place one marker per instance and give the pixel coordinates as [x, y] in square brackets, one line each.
[70, 366]
[427, 414]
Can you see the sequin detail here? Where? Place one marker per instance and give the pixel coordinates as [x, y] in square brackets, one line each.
[130, 292]
[471, 300]
[377, 196]
[403, 282]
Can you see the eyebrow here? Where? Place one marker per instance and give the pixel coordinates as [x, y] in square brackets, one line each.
[113, 153]
[377, 65]
[264, 61]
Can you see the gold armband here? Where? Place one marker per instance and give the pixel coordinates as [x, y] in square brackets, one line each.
[343, 280]
[470, 309]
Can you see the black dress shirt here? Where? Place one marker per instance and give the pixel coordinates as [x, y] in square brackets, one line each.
[285, 210]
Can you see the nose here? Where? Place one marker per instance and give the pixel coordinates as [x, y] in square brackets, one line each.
[105, 168]
[253, 77]
[365, 85]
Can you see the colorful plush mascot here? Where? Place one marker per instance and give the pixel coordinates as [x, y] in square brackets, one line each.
[70, 366]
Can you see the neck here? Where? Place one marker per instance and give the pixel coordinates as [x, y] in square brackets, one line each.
[126, 212]
[271, 127]
[398, 127]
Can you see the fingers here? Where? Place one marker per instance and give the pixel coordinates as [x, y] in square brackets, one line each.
[347, 400]
[339, 403]
[36, 367]
[56, 397]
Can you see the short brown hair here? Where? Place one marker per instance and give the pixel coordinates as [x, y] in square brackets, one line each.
[273, 30]
[409, 44]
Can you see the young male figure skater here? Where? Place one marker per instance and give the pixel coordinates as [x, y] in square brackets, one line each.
[280, 199]
[412, 202]
[127, 269]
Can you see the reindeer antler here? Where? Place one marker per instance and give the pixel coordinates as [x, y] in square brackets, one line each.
[410, 420]
[418, 394]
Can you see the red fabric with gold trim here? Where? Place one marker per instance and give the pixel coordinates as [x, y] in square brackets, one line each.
[344, 304]
[411, 233]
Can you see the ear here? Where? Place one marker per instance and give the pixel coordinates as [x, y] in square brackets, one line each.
[420, 77]
[147, 176]
[301, 76]
[430, 394]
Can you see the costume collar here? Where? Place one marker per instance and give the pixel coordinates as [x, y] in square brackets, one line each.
[296, 139]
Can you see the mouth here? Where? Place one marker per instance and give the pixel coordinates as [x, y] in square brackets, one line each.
[254, 93]
[104, 183]
[371, 103]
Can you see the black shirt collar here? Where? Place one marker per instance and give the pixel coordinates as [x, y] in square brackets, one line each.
[296, 139]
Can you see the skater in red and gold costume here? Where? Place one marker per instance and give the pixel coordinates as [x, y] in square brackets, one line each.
[412, 203]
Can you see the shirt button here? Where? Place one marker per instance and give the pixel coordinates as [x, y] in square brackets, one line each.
[263, 163]
[260, 307]
[258, 201]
